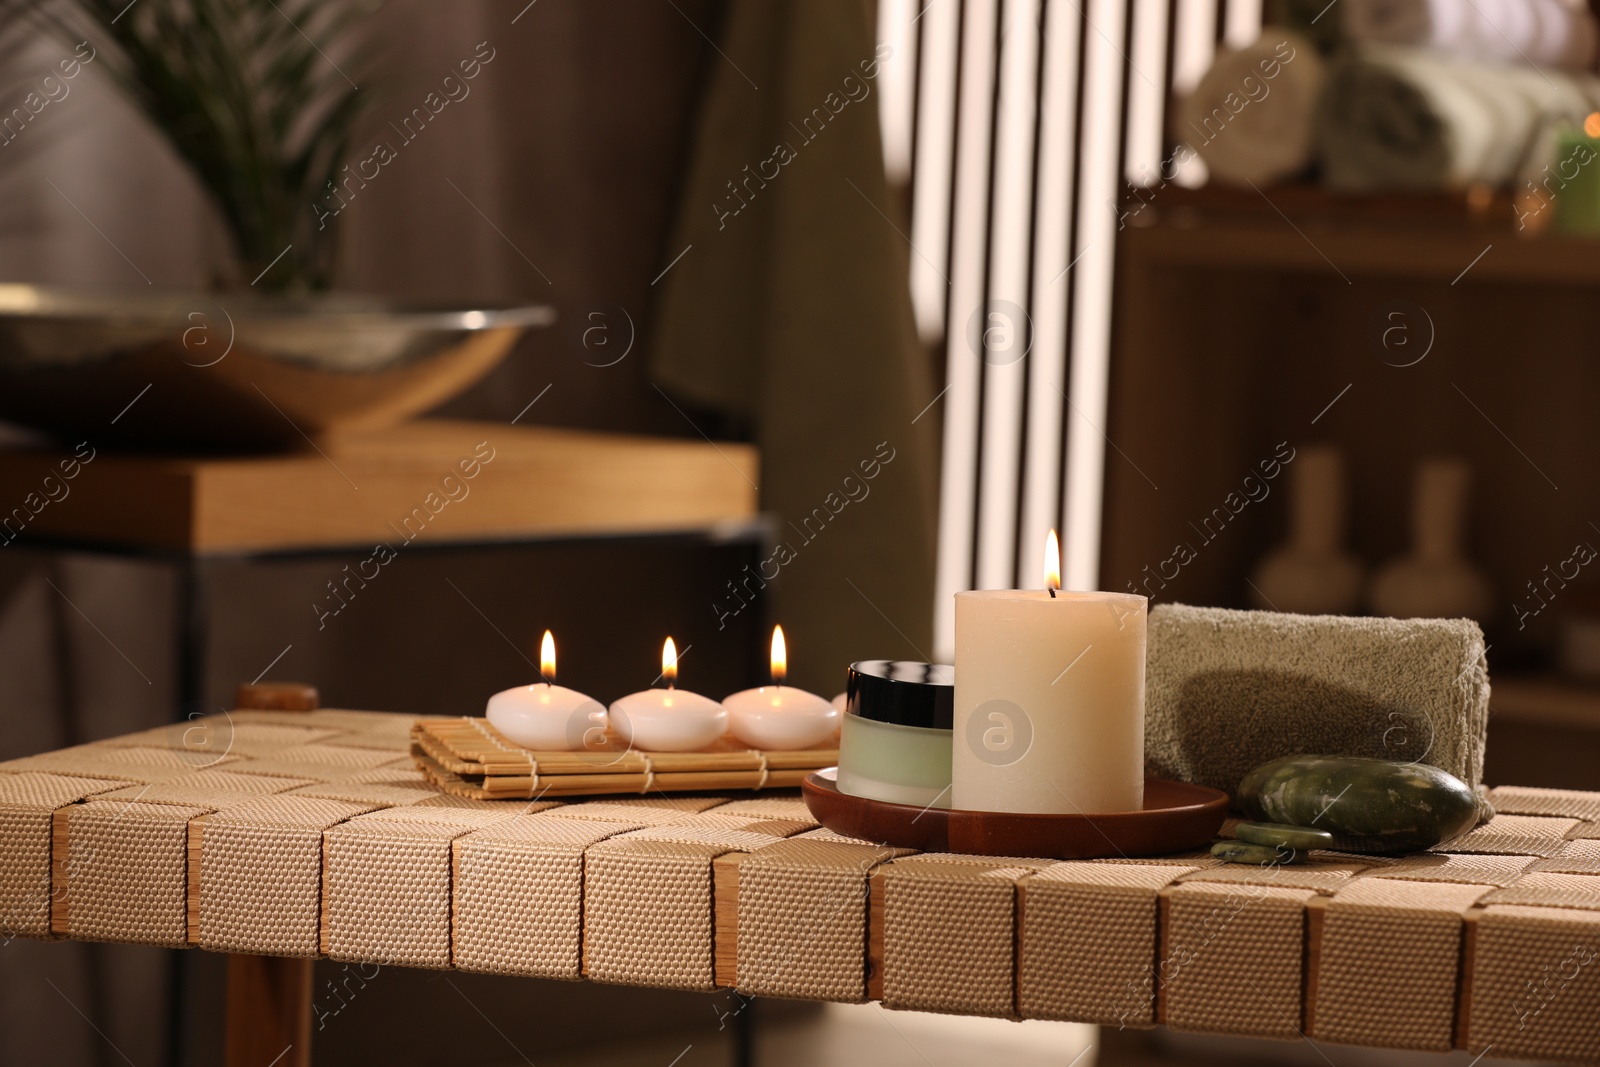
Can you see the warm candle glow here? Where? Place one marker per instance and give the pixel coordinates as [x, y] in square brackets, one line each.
[1591, 125]
[547, 658]
[669, 662]
[780, 656]
[1052, 562]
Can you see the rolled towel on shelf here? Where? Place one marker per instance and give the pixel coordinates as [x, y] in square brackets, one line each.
[1546, 33]
[1226, 691]
[1251, 116]
[1406, 118]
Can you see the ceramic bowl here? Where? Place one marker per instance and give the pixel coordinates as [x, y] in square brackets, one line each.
[237, 370]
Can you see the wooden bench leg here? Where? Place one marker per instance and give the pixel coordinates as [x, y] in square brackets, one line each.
[269, 1012]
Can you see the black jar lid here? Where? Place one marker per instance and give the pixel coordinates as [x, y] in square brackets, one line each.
[904, 692]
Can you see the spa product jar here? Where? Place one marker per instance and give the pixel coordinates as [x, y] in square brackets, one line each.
[894, 741]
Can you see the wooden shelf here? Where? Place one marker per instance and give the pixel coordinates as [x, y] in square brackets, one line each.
[393, 485]
[1311, 231]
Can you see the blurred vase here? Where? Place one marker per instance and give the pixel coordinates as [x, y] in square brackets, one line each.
[1435, 580]
[1312, 574]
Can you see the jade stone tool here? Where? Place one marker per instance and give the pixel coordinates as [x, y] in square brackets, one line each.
[1258, 855]
[1273, 834]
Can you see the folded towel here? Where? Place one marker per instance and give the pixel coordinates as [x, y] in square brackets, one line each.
[1405, 118]
[1546, 33]
[1226, 691]
[1250, 118]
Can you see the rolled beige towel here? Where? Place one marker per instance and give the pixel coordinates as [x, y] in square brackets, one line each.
[1546, 33]
[1407, 118]
[1251, 116]
[1226, 691]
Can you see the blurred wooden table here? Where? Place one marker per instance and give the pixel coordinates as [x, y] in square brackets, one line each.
[425, 486]
[524, 482]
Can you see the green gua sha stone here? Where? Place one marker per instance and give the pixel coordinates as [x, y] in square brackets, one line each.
[1256, 855]
[1272, 834]
[1369, 805]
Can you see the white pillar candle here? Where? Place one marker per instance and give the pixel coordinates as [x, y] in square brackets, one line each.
[1049, 701]
[670, 719]
[545, 716]
[780, 717]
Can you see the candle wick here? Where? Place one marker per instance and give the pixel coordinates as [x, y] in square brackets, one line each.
[1052, 592]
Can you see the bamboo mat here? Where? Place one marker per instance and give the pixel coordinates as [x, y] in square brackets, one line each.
[467, 757]
[314, 833]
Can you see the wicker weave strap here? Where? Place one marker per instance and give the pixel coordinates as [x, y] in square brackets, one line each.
[1525, 800]
[1464, 870]
[126, 872]
[113, 761]
[27, 802]
[1088, 942]
[261, 875]
[329, 754]
[1506, 835]
[802, 910]
[1324, 875]
[398, 773]
[213, 790]
[650, 810]
[1550, 890]
[1575, 857]
[374, 794]
[648, 917]
[1363, 993]
[518, 899]
[790, 809]
[386, 884]
[274, 766]
[224, 735]
[682, 908]
[1535, 986]
[949, 935]
[1231, 959]
[352, 720]
[395, 742]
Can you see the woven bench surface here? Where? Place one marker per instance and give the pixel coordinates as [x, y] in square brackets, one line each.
[313, 833]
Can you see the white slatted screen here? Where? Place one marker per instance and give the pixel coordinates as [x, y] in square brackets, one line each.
[1018, 121]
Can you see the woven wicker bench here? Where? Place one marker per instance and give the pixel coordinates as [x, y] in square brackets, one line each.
[281, 835]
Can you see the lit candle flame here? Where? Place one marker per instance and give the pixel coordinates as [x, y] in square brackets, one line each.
[1591, 125]
[1052, 563]
[547, 658]
[780, 656]
[669, 662]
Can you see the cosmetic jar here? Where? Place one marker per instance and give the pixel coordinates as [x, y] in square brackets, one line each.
[894, 742]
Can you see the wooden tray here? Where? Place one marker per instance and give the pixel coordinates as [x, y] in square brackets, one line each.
[1176, 816]
[470, 758]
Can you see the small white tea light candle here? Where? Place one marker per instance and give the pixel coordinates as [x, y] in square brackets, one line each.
[669, 720]
[777, 716]
[1049, 700]
[547, 717]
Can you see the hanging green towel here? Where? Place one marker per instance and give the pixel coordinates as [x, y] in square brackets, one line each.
[790, 312]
